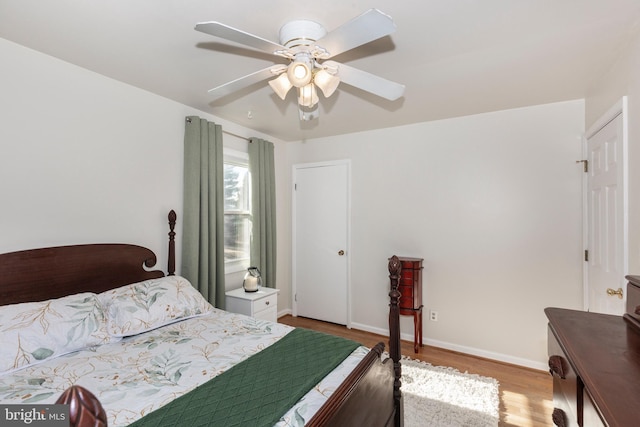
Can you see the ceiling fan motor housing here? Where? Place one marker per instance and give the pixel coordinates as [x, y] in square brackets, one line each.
[301, 33]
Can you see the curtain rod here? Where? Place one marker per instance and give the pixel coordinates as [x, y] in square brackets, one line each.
[228, 133]
[236, 135]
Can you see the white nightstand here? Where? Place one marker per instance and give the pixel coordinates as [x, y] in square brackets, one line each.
[262, 304]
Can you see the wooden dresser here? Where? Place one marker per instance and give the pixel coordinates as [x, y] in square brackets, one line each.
[595, 362]
[410, 287]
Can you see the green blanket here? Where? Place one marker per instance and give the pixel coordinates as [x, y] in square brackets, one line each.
[259, 390]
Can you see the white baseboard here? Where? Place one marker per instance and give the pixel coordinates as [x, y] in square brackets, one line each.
[284, 312]
[505, 358]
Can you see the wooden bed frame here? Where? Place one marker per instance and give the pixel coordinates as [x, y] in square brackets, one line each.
[369, 396]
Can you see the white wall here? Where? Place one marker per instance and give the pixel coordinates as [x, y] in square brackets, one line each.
[491, 202]
[84, 158]
[88, 159]
[623, 79]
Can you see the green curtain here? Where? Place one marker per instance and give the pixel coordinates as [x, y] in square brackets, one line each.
[203, 223]
[263, 209]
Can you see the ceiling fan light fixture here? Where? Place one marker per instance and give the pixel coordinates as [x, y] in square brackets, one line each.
[300, 71]
[281, 85]
[308, 49]
[308, 95]
[327, 82]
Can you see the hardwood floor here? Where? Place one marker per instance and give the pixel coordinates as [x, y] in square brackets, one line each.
[525, 394]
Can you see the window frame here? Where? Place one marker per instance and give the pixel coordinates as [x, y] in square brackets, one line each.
[239, 158]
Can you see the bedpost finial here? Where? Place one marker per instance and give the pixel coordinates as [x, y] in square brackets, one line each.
[85, 409]
[395, 266]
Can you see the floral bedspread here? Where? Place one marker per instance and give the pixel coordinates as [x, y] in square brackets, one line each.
[144, 372]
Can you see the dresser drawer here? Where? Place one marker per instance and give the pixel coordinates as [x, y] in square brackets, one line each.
[408, 298]
[591, 415]
[633, 301]
[406, 291]
[565, 383]
[406, 303]
[408, 277]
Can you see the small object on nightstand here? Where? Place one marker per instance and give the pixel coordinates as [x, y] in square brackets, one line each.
[252, 280]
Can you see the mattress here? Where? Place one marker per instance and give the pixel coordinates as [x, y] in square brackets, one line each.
[144, 372]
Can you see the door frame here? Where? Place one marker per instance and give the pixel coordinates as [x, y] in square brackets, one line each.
[295, 168]
[619, 108]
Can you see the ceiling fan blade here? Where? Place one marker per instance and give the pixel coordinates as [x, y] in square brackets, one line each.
[368, 82]
[233, 34]
[248, 80]
[362, 29]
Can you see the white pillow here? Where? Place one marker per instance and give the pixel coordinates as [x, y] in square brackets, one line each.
[37, 331]
[140, 307]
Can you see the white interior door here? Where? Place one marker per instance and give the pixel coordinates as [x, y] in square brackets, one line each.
[607, 218]
[320, 246]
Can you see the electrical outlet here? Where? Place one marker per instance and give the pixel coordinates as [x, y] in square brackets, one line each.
[433, 315]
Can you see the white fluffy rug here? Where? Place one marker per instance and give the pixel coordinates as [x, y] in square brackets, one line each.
[437, 396]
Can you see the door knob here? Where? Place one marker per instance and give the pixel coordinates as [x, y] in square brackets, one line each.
[340, 252]
[611, 292]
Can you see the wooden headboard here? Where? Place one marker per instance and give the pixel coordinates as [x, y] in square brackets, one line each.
[46, 273]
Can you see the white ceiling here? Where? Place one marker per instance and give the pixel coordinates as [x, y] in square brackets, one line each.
[456, 57]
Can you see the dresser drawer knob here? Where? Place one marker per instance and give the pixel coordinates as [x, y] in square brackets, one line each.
[267, 302]
[557, 366]
[558, 417]
[637, 310]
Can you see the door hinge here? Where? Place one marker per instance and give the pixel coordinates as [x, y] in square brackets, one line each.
[295, 187]
[586, 255]
[585, 163]
[295, 297]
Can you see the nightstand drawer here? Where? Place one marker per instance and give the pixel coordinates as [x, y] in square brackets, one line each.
[265, 303]
[270, 314]
[262, 304]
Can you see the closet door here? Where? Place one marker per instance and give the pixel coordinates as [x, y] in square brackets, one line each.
[320, 241]
[606, 216]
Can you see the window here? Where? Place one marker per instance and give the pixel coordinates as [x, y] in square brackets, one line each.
[237, 211]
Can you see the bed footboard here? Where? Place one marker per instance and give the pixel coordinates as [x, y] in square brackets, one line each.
[365, 398]
[370, 395]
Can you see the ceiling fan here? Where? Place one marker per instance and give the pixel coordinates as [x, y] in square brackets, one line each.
[308, 47]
